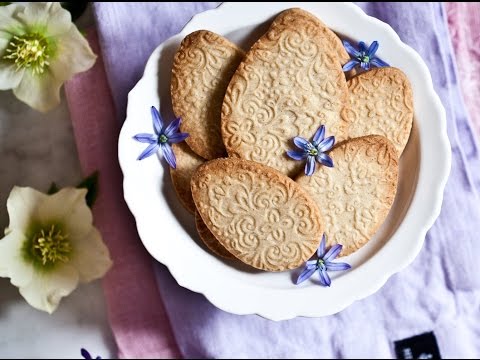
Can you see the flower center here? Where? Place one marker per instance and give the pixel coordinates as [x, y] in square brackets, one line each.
[51, 246]
[313, 152]
[365, 59]
[162, 139]
[29, 51]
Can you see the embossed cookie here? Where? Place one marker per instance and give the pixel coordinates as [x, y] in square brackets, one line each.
[289, 83]
[381, 103]
[258, 214]
[355, 195]
[210, 240]
[187, 163]
[202, 69]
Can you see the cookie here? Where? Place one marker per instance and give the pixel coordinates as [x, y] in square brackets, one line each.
[202, 69]
[355, 195]
[289, 83]
[187, 163]
[258, 214]
[210, 240]
[381, 103]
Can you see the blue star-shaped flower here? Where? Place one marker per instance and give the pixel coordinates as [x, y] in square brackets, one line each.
[363, 56]
[323, 264]
[314, 150]
[163, 137]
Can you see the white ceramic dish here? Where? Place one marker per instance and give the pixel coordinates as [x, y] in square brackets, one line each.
[168, 231]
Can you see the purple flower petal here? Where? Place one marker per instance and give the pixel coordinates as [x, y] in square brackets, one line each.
[85, 354]
[332, 253]
[150, 150]
[306, 273]
[146, 138]
[178, 137]
[326, 144]
[310, 166]
[340, 266]
[319, 135]
[169, 155]
[378, 63]
[365, 66]
[297, 155]
[350, 65]
[172, 128]
[372, 49]
[157, 120]
[321, 248]
[350, 49]
[324, 278]
[362, 47]
[302, 143]
[311, 263]
[324, 159]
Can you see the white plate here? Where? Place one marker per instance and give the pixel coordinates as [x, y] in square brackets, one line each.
[168, 231]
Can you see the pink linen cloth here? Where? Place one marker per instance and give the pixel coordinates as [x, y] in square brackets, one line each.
[464, 26]
[136, 313]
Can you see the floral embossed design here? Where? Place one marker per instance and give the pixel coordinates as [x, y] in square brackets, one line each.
[357, 194]
[381, 103]
[289, 83]
[202, 69]
[260, 216]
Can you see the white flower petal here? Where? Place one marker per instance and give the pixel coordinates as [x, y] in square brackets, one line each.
[36, 15]
[90, 256]
[12, 262]
[9, 76]
[41, 92]
[22, 206]
[73, 55]
[9, 19]
[46, 290]
[59, 21]
[69, 207]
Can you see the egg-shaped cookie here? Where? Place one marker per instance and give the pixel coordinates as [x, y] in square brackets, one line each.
[381, 103]
[187, 163]
[210, 240]
[202, 69]
[258, 214]
[289, 83]
[355, 195]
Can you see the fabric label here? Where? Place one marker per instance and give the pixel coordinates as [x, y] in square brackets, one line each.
[422, 346]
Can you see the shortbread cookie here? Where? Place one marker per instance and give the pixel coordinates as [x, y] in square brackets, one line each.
[381, 103]
[258, 214]
[210, 240]
[202, 69]
[289, 83]
[355, 195]
[187, 163]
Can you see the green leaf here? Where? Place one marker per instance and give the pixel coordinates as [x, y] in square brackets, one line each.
[53, 189]
[91, 184]
[4, 3]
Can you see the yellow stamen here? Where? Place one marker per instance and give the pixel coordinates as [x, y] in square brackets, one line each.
[29, 51]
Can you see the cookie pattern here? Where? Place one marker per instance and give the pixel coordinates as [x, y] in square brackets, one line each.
[210, 240]
[187, 163]
[289, 83]
[355, 195]
[202, 69]
[381, 103]
[258, 214]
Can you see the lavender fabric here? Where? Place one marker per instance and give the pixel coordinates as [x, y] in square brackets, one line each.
[439, 292]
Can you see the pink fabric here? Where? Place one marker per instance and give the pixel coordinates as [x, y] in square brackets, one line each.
[136, 313]
[464, 25]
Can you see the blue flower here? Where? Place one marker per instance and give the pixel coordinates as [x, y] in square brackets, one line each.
[323, 264]
[86, 354]
[314, 150]
[163, 137]
[363, 56]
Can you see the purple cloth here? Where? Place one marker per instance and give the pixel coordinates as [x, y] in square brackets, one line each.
[439, 292]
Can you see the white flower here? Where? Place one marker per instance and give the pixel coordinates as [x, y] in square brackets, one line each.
[40, 48]
[50, 245]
